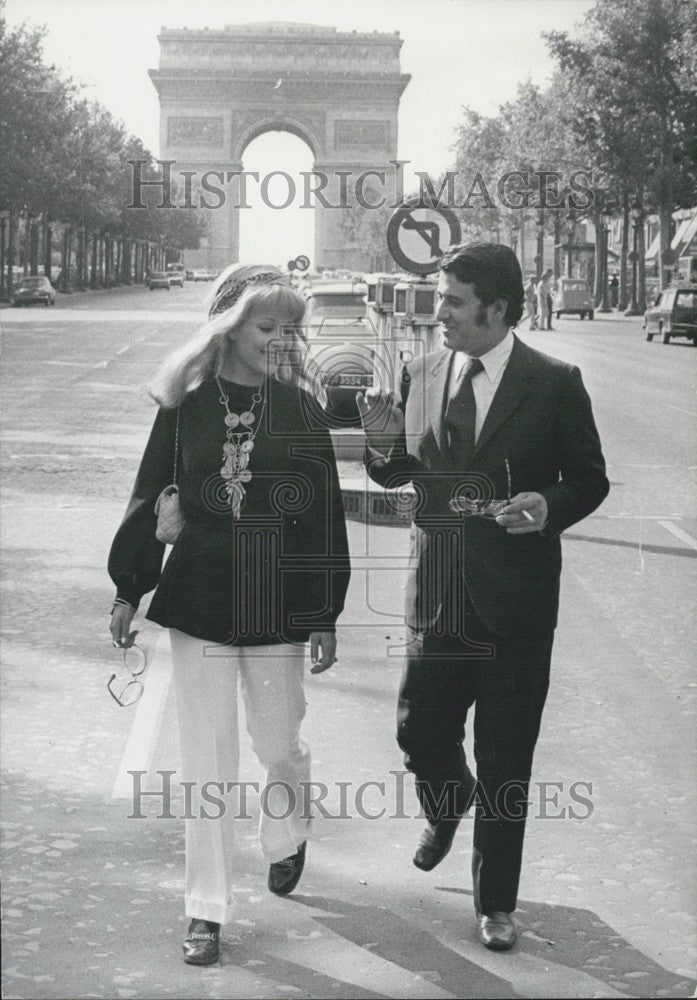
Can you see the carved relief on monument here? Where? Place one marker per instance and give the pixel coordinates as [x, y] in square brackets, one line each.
[187, 131]
[361, 134]
[279, 51]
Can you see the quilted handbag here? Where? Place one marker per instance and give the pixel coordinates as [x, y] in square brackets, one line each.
[170, 518]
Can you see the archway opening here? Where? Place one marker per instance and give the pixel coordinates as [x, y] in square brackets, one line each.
[276, 228]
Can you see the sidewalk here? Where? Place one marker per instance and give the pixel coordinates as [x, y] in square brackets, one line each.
[92, 897]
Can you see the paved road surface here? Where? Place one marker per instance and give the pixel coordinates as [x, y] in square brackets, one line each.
[92, 899]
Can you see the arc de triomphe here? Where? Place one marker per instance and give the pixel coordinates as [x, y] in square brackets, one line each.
[338, 91]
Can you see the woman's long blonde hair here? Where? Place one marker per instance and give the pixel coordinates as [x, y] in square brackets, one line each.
[204, 354]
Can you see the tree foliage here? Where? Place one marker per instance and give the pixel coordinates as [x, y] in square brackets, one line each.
[65, 158]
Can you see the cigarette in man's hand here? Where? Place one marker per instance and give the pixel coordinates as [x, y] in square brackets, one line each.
[527, 514]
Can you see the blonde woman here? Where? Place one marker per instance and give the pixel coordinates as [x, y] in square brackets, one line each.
[259, 569]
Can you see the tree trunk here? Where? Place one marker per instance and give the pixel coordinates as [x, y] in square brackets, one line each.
[109, 261]
[33, 237]
[100, 260]
[126, 263]
[79, 255]
[557, 249]
[598, 227]
[11, 238]
[622, 302]
[48, 250]
[665, 261]
[3, 258]
[521, 253]
[641, 265]
[540, 253]
[65, 261]
[93, 269]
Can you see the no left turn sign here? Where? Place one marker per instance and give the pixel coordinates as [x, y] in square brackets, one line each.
[418, 235]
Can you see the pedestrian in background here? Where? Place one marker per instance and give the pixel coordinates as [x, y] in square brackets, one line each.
[259, 568]
[531, 302]
[544, 300]
[487, 417]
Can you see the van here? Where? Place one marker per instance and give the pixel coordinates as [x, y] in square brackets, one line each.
[572, 296]
[674, 314]
[342, 343]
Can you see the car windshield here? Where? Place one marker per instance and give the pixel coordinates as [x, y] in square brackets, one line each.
[687, 301]
[33, 282]
[158, 274]
[323, 302]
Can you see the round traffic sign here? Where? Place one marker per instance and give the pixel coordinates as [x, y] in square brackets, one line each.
[302, 262]
[418, 235]
[291, 265]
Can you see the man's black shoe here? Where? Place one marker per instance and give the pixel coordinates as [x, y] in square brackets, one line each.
[285, 875]
[202, 943]
[436, 841]
[497, 930]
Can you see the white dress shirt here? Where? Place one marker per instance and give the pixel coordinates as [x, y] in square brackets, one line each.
[484, 384]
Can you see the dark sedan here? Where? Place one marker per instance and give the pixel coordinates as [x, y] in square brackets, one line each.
[34, 289]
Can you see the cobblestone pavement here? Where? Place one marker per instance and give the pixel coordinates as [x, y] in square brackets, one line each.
[92, 898]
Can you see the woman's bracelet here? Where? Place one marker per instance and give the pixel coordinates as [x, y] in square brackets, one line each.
[124, 604]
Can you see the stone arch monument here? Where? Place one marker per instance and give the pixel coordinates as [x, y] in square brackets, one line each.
[337, 91]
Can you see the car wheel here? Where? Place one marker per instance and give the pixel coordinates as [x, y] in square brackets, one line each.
[590, 314]
[582, 315]
[666, 336]
[649, 336]
[53, 302]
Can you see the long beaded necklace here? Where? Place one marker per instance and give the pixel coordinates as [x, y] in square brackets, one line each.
[239, 446]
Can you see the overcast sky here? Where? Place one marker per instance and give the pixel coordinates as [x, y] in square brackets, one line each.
[458, 52]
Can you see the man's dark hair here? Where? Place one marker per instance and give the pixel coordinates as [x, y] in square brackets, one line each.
[493, 270]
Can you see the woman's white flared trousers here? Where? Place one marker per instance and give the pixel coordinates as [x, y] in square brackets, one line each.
[206, 683]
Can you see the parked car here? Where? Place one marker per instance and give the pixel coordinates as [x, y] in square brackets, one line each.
[572, 295]
[33, 289]
[176, 274]
[200, 275]
[341, 342]
[673, 314]
[158, 279]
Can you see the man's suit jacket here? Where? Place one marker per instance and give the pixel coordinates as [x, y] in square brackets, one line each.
[541, 421]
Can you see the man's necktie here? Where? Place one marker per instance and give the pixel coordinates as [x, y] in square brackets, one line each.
[461, 416]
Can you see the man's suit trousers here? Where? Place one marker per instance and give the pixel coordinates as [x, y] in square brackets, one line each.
[506, 679]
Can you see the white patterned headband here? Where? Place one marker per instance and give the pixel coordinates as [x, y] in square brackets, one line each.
[230, 291]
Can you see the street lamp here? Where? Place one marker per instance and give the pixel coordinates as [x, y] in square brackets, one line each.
[604, 306]
[570, 233]
[539, 256]
[637, 215]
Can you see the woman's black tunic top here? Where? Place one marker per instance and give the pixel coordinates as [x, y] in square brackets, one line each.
[277, 573]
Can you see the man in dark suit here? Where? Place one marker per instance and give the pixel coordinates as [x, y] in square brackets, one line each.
[501, 447]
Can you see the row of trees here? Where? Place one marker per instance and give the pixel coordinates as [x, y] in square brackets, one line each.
[65, 180]
[621, 105]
